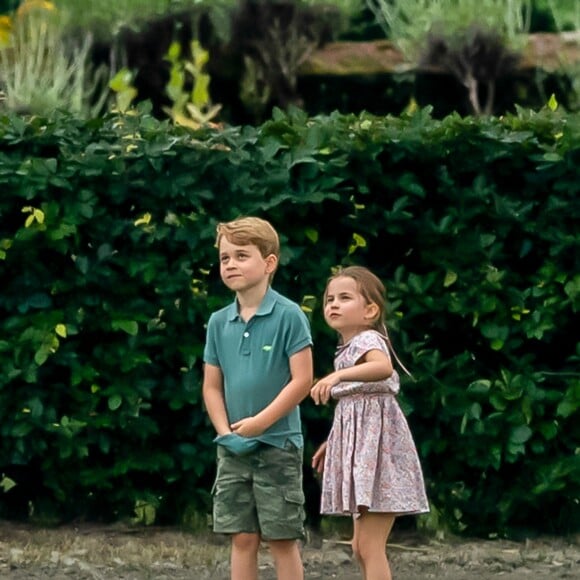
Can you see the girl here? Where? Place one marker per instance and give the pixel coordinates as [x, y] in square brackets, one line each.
[369, 464]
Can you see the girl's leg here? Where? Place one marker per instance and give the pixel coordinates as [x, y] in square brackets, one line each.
[288, 560]
[244, 557]
[369, 544]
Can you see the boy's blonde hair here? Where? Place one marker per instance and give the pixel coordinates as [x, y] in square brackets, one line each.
[250, 231]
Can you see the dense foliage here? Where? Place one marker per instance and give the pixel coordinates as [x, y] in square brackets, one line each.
[109, 273]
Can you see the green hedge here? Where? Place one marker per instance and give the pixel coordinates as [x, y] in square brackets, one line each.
[109, 274]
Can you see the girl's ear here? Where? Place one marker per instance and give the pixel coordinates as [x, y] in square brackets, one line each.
[372, 312]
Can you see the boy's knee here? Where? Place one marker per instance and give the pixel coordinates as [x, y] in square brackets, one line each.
[246, 542]
[283, 547]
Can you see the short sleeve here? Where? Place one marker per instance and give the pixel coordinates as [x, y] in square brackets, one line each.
[365, 342]
[210, 355]
[298, 334]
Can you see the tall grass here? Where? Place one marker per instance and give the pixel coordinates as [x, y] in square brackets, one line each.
[40, 72]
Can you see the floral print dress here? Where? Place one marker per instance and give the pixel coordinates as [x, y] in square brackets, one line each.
[371, 459]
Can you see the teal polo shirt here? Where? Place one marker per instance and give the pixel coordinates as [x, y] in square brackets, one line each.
[254, 358]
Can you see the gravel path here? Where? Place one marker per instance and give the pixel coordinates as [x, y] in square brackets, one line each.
[120, 552]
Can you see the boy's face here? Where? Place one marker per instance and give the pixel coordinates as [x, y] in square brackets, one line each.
[244, 267]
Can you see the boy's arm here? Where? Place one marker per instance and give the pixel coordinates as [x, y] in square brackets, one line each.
[213, 397]
[295, 391]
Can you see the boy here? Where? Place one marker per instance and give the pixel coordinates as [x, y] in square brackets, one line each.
[258, 368]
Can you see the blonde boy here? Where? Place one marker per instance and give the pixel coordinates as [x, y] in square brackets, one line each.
[258, 368]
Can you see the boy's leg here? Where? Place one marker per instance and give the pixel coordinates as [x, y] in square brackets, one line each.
[369, 544]
[234, 512]
[287, 559]
[244, 556]
[280, 506]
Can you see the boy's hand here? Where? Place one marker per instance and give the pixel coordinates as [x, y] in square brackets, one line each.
[318, 458]
[247, 427]
[320, 392]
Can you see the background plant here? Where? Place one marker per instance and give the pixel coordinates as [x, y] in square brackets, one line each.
[408, 22]
[104, 17]
[566, 18]
[191, 108]
[40, 72]
[475, 42]
[565, 13]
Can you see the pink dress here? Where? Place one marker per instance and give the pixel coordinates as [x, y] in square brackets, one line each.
[371, 458]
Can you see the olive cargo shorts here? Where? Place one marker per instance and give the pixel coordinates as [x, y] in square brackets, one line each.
[260, 493]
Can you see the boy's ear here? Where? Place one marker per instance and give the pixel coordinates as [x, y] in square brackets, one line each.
[372, 311]
[271, 263]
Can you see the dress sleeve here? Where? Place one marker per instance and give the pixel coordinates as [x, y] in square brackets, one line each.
[365, 342]
[357, 348]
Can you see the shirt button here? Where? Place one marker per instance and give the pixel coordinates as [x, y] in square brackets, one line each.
[246, 334]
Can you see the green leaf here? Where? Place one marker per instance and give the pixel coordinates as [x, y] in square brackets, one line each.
[479, 387]
[41, 355]
[498, 402]
[121, 81]
[200, 93]
[7, 484]
[487, 240]
[495, 455]
[520, 434]
[311, 234]
[549, 430]
[475, 411]
[129, 326]
[357, 242]
[566, 408]
[450, 278]
[114, 402]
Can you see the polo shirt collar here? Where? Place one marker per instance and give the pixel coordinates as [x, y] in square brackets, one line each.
[266, 306]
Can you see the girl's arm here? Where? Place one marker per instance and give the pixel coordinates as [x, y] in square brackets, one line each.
[374, 365]
[318, 458]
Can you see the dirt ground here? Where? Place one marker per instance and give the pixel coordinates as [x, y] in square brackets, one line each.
[89, 552]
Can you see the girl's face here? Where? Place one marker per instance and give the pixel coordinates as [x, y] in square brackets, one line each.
[345, 308]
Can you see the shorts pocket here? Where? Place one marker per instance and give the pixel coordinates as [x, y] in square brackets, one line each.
[294, 496]
[282, 515]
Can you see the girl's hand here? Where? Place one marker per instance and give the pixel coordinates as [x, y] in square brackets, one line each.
[247, 427]
[320, 392]
[318, 458]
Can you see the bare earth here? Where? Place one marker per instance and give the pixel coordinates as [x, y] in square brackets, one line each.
[88, 552]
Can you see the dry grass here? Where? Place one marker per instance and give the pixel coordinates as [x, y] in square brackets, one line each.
[110, 545]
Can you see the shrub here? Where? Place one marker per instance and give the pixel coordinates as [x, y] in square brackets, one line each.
[109, 274]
